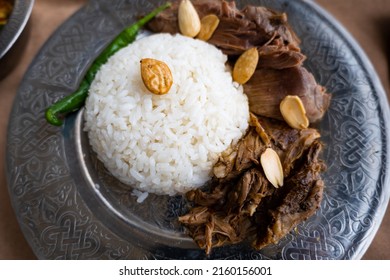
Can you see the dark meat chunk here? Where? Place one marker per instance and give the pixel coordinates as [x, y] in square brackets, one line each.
[203, 199]
[267, 88]
[279, 71]
[247, 195]
[277, 55]
[221, 223]
[272, 24]
[244, 205]
[238, 30]
[264, 132]
[290, 143]
[249, 150]
[295, 202]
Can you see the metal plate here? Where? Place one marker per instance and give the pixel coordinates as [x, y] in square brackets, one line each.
[17, 21]
[69, 207]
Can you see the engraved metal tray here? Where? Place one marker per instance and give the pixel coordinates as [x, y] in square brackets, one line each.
[70, 207]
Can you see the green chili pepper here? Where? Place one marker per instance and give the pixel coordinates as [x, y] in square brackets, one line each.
[76, 100]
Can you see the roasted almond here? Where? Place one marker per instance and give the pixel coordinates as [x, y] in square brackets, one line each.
[272, 167]
[156, 75]
[189, 22]
[208, 24]
[294, 112]
[245, 66]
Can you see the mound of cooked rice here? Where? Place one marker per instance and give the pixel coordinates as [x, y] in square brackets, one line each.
[165, 144]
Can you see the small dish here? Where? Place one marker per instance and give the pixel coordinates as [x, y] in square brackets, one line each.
[14, 34]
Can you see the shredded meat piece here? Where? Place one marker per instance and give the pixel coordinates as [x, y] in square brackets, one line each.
[296, 201]
[238, 30]
[277, 55]
[244, 205]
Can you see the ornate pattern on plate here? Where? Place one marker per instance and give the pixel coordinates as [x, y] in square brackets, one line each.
[69, 207]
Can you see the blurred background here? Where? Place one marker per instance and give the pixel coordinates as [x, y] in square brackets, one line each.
[367, 21]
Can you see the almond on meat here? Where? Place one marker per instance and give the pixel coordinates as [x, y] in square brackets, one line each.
[189, 21]
[245, 66]
[294, 112]
[208, 24]
[272, 167]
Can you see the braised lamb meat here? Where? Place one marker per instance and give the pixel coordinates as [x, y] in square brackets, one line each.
[240, 203]
[279, 72]
[243, 205]
[276, 55]
[267, 88]
[296, 201]
[238, 30]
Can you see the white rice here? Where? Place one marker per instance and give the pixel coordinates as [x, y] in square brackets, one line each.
[165, 144]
